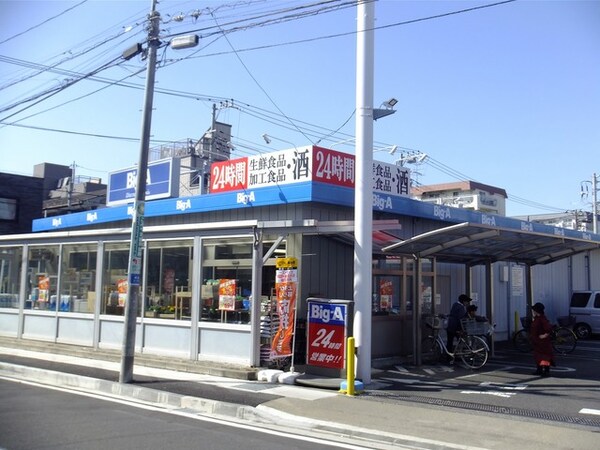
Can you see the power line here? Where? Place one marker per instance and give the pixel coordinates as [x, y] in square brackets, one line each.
[42, 23]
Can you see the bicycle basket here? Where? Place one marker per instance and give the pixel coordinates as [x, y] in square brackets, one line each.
[471, 326]
[526, 322]
[434, 322]
[566, 321]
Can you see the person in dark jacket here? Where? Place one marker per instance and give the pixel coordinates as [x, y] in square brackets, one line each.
[457, 312]
[541, 340]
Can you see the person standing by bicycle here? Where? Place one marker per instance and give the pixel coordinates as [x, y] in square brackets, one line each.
[457, 312]
[541, 340]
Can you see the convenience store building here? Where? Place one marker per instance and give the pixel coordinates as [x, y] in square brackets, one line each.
[65, 281]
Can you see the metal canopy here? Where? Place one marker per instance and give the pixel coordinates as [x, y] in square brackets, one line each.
[474, 244]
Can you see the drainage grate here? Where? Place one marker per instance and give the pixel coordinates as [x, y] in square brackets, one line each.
[543, 415]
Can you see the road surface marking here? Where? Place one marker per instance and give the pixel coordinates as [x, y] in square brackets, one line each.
[495, 393]
[590, 411]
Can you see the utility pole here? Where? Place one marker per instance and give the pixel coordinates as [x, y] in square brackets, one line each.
[595, 203]
[363, 188]
[584, 193]
[137, 223]
[70, 188]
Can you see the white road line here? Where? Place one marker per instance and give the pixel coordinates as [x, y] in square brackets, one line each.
[508, 386]
[406, 373]
[590, 411]
[411, 381]
[494, 393]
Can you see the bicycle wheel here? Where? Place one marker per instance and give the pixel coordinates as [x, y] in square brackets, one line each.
[521, 341]
[473, 351]
[431, 352]
[564, 340]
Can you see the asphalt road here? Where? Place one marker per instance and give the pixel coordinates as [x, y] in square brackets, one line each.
[33, 417]
[505, 385]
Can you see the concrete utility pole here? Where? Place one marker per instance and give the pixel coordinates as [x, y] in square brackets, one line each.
[363, 188]
[584, 193]
[595, 202]
[137, 224]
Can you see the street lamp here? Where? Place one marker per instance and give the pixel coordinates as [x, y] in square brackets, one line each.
[390, 148]
[386, 109]
[268, 139]
[137, 221]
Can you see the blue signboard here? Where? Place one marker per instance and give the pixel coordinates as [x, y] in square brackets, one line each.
[297, 193]
[162, 181]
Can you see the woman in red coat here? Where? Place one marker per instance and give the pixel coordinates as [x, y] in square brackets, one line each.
[541, 340]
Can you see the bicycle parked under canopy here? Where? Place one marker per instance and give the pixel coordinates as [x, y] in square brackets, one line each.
[564, 340]
[471, 348]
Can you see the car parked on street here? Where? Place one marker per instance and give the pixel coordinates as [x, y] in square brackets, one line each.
[585, 307]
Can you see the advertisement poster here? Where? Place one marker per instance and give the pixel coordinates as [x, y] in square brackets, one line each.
[286, 285]
[122, 291]
[386, 290]
[227, 289]
[169, 281]
[44, 288]
[326, 334]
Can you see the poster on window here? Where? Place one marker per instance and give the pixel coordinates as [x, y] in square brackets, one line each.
[122, 291]
[286, 284]
[44, 288]
[227, 289]
[386, 290]
[169, 281]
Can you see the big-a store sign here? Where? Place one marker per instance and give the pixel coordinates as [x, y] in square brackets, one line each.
[296, 165]
[326, 333]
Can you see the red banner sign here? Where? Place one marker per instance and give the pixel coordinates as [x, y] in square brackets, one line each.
[286, 284]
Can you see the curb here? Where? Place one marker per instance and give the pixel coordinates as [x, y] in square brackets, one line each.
[131, 391]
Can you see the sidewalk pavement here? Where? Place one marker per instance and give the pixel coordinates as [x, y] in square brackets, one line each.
[231, 391]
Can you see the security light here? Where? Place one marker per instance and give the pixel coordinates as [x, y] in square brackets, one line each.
[187, 41]
[390, 103]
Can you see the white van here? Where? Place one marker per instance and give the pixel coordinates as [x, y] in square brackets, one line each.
[585, 306]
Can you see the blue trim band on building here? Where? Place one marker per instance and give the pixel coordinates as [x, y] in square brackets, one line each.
[297, 193]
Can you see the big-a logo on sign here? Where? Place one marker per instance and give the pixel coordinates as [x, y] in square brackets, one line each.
[327, 313]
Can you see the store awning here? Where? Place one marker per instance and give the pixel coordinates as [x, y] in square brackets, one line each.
[474, 244]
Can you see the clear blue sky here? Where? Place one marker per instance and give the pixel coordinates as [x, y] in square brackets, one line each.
[507, 95]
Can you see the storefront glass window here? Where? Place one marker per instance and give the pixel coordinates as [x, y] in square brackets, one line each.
[78, 278]
[10, 277]
[114, 288]
[42, 277]
[227, 279]
[169, 279]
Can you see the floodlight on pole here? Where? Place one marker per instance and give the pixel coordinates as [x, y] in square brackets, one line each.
[388, 108]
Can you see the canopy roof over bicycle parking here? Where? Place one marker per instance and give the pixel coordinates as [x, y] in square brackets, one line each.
[475, 243]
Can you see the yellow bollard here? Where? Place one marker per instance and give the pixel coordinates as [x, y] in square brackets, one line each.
[350, 366]
[516, 321]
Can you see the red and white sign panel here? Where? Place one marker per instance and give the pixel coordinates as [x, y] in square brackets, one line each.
[310, 163]
[229, 175]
